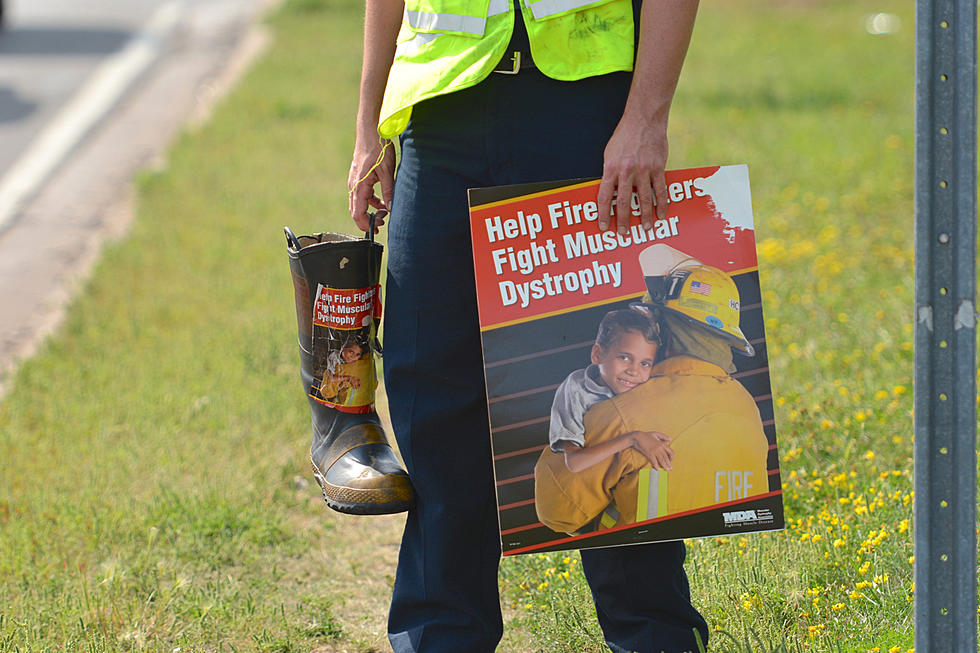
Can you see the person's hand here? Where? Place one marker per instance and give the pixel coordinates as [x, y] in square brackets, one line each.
[635, 158]
[365, 173]
[354, 381]
[656, 447]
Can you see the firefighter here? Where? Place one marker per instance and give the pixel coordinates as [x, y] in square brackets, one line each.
[483, 94]
[720, 449]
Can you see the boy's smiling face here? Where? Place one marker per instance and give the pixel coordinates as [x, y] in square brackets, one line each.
[627, 362]
[351, 352]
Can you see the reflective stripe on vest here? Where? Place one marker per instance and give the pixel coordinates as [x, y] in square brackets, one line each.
[498, 7]
[410, 46]
[429, 22]
[441, 22]
[544, 8]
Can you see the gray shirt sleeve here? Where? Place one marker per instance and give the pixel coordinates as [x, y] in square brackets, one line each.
[573, 398]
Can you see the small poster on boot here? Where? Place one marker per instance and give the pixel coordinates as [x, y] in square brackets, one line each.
[343, 329]
[627, 373]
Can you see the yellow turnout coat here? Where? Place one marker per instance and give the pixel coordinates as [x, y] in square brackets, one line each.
[720, 450]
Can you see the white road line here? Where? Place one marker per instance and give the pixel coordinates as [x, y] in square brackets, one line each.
[99, 94]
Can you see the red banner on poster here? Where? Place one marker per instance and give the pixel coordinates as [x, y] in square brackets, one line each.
[338, 308]
[543, 252]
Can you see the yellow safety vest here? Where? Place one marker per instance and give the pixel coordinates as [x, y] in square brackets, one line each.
[448, 45]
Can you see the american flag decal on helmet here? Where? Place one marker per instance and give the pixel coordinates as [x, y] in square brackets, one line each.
[701, 288]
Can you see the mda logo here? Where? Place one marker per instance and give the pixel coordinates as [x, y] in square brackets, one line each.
[739, 517]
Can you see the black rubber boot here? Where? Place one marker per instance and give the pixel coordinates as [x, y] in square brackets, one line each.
[338, 308]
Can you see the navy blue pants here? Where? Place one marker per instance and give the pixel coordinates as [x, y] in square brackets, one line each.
[506, 130]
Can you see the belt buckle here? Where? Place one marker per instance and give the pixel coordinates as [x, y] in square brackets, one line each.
[516, 58]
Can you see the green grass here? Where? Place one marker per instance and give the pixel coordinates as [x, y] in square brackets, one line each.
[152, 495]
[822, 113]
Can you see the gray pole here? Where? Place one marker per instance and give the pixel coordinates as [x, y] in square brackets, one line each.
[945, 334]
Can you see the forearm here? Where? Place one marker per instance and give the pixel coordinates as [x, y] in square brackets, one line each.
[382, 19]
[369, 165]
[636, 155]
[579, 458]
[665, 33]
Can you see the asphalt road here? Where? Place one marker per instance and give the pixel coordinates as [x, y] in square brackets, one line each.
[91, 92]
[48, 49]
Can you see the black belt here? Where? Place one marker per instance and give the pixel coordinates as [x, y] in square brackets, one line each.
[514, 62]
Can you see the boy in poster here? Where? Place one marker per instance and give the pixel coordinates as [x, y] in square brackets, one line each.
[622, 357]
[349, 367]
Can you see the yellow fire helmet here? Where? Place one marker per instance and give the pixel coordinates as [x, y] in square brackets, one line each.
[704, 295]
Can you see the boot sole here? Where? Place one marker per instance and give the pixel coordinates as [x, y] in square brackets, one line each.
[390, 508]
[357, 501]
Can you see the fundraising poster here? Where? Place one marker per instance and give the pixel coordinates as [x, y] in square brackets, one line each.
[627, 374]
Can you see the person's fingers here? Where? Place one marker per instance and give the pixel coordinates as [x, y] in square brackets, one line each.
[361, 199]
[604, 200]
[361, 222]
[351, 179]
[645, 193]
[379, 220]
[660, 192]
[660, 461]
[362, 218]
[624, 194]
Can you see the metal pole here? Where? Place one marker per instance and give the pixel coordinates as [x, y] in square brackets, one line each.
[945, 334]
